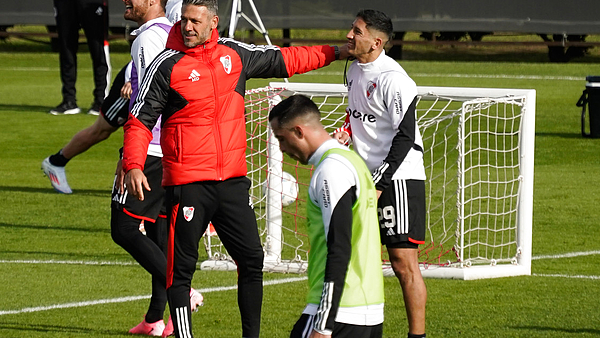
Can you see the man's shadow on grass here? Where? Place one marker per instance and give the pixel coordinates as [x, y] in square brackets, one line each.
[76, 192]
[25, 108]
[53, 228]
[66, 258]
[25, 327]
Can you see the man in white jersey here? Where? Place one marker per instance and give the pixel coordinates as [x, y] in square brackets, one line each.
[381, 121]
[173, 10]
[345, 298]
[126, 211]
[115, 108]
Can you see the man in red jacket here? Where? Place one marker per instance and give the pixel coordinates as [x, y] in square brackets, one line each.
[197, 85]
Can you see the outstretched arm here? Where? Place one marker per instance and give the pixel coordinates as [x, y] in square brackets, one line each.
[273, 61]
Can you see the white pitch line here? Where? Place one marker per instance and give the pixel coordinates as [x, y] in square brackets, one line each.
[66, 262]
[134, 298]
[567, 255]
[116, 263]
[51, 261]
[565, 276]
[72, 305]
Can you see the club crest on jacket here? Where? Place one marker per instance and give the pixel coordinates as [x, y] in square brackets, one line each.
[226, 61]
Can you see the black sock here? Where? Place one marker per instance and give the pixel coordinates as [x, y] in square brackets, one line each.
[58, 159]
[152, 316]
[410, 335]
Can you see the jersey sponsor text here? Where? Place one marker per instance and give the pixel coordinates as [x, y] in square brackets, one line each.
[362, 116]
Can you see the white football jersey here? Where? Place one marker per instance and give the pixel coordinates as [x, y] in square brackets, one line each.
[173, 10]
[151, 39]
[149, 42]
[379, 96]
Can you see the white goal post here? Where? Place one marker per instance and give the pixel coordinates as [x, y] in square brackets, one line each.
[479, 152]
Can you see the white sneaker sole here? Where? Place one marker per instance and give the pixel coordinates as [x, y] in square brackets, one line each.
[67, 112]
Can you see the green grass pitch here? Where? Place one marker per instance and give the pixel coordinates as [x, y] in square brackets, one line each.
[62, 276]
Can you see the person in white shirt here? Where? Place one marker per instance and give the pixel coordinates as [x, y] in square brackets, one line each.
[173, 10]
[381, 123]
[115, 108]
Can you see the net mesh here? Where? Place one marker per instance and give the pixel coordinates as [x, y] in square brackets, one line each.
[471, 155]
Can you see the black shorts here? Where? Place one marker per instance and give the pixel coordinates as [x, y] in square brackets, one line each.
[154, 200]
[401, 209]
[115, 109]
[305, 325]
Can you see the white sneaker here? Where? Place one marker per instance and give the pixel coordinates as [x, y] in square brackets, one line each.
[196, 299]
[57, 176]
[65, 108]
[95, 109]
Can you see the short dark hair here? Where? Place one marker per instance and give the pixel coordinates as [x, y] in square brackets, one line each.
[211, 5]
[377, 20]
[293, 107]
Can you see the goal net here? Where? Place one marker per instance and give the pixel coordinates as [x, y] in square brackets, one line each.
[478, 154]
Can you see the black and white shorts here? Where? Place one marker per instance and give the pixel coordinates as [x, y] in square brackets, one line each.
[154, 200]
[305, 325]
[115, 109]
[401, 210]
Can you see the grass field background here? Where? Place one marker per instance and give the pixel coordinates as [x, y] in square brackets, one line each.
[62, 276]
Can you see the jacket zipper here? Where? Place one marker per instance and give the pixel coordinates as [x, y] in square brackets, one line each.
[217, 117]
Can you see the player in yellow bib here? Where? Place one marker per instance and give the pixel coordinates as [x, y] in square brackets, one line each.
[345, 297]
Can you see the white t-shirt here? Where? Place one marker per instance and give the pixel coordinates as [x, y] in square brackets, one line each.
[379, 94]
[150, 41]
[173, 10]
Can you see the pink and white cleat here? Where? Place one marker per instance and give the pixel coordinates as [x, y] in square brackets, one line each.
[155, 329]
[169, 329]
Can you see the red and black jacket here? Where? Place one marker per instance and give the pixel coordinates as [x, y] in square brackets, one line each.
[200, 94]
